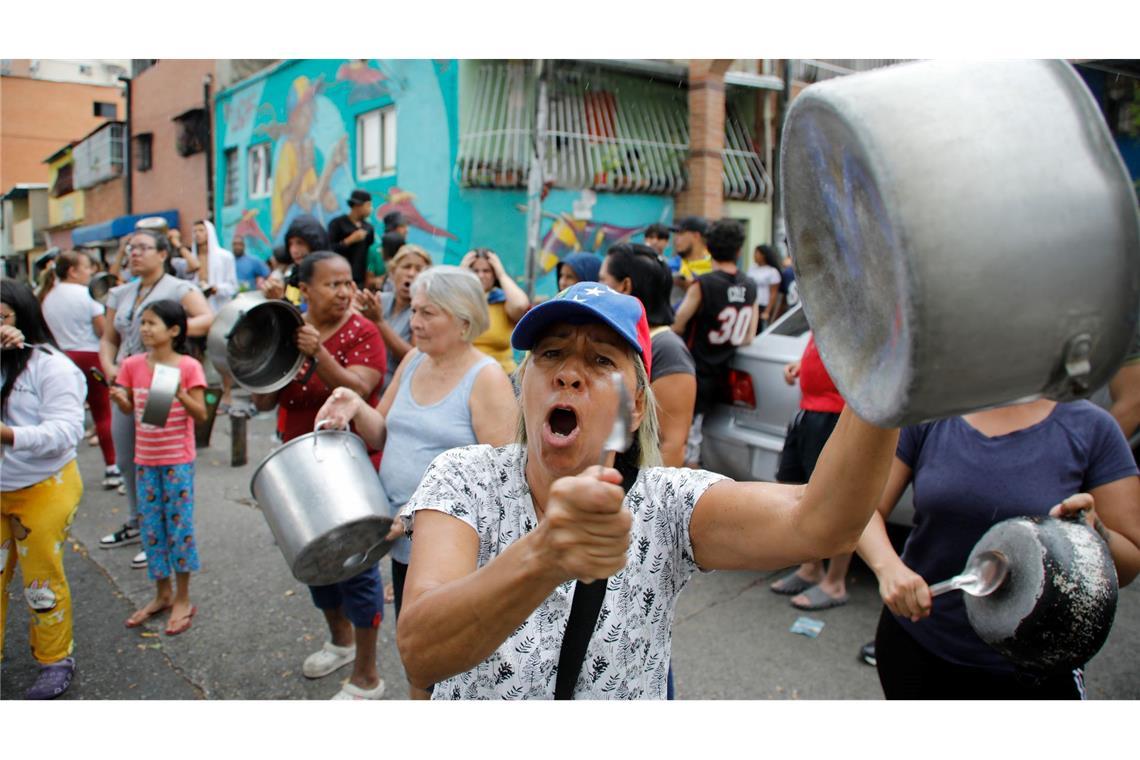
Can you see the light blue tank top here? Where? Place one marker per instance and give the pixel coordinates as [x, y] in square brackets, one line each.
[417, 434]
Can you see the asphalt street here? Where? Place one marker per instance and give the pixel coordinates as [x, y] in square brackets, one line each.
[256, 624]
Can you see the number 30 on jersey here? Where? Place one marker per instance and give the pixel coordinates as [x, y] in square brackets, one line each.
[734, 324]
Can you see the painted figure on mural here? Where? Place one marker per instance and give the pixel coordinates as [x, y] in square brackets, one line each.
[311, 147]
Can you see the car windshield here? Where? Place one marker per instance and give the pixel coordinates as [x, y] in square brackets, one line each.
[793, 323]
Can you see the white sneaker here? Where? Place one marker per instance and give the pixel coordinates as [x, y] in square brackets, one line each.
[329, 658]
[348, 691]
[138, 562]
[112, 477]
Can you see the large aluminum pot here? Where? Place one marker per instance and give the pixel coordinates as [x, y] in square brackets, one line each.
[251, 338]
[964, 235]
[324, 503]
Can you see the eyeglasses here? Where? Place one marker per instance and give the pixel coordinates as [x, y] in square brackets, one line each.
[135, 247]
[7, 316]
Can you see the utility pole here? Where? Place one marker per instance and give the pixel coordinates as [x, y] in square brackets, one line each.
[778, 196]
[535, 182]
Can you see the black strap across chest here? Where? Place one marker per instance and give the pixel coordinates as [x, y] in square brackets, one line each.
[584, 610]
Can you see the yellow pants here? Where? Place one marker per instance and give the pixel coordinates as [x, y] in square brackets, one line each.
[32, 532]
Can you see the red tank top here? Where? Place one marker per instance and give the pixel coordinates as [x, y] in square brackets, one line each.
[817, 391]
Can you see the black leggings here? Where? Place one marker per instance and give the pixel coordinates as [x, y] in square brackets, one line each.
[909, 671]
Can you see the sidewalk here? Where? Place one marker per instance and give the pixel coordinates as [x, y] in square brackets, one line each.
[255, 623]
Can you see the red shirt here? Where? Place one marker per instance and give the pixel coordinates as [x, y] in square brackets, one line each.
[174, 443]
[817, 391]
[356, 344]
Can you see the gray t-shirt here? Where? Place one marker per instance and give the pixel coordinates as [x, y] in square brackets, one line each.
[670, 356]
[128, 314]
[401, 323]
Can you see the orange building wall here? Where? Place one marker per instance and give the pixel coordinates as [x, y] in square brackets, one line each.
[158, 94]
[38, 117]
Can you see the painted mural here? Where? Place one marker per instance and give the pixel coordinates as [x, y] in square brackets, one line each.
[307, 110]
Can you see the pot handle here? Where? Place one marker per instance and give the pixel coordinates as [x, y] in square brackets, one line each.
[237, 322]
[317, 428]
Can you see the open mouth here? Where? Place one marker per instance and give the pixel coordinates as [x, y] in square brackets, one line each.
[563, 421]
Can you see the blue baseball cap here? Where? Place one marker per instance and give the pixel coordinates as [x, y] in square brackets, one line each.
[584, 303]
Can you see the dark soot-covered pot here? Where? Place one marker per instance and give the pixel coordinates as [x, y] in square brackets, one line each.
[1055, 609]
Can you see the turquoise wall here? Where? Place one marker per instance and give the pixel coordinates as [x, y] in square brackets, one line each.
[315, 102]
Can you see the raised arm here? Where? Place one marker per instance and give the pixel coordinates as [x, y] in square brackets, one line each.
[687, 309]
[763, 526]
[517, 303]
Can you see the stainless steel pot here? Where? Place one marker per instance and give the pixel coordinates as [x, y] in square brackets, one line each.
[1055, 608]
[325, 505]
[101, 285]
[160, 397]
[252, 339]
[964, 235]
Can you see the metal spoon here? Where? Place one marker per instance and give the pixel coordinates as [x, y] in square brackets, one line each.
[620, 437]
[982, 575]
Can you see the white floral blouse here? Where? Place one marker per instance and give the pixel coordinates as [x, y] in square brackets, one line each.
[629, 651]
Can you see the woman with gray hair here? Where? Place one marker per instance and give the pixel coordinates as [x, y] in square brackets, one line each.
[445, 394]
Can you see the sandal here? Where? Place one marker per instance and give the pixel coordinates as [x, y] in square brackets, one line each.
[183, 626]
[53, 680]
[818, 599]
[791, 584]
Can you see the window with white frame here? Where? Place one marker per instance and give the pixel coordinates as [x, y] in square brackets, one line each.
[376, 143]
[230, 189]
[260, 170]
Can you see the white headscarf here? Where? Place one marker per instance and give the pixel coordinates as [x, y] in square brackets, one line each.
[222, 272]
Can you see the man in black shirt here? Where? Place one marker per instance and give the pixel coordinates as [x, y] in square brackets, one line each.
[715, 318]
[351, 236]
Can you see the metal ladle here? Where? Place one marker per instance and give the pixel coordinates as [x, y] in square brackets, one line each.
[982, 575]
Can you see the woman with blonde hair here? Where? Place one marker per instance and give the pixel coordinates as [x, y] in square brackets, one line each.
[445, 394]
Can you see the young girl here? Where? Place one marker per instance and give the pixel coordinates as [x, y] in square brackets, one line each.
[164, 459]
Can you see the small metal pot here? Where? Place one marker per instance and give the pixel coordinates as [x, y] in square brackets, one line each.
[160, 397]
[100, 286]
[1055, 609]
[252, 338]
[325, 505]
[952, 251]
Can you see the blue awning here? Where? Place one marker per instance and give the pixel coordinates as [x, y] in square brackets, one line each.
[116, 228]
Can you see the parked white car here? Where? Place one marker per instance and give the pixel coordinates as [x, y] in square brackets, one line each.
[743, 438]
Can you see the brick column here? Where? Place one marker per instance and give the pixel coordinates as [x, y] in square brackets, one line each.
[704, 195]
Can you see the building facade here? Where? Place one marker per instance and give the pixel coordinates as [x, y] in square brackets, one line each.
[449, 144]
[39, 116]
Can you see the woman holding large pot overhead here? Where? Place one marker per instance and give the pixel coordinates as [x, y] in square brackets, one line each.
[969, 473]
[501, 534]
[349, 356]
[445, 394]
[147, 252]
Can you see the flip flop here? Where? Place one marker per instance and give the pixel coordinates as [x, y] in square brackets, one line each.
[791, 584]
[185, 626]
[818, 599]
[129, 624]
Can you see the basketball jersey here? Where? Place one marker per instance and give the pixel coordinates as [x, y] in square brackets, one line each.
[724, 318]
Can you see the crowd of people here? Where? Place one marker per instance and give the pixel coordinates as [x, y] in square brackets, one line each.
[484, 416]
